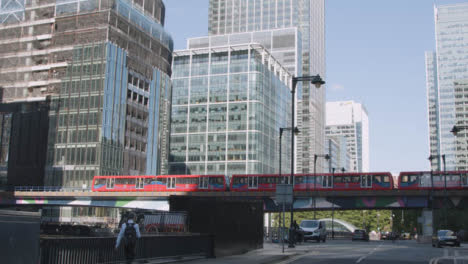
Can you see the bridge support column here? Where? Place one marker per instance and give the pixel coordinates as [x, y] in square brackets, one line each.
[426, 220]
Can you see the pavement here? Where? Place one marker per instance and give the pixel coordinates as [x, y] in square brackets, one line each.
[337, 252]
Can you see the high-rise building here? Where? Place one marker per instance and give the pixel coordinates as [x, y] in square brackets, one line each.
[337, 149]
[349, 119]
[445, 69]
[227, 107]
[106, 65]
[234, 16]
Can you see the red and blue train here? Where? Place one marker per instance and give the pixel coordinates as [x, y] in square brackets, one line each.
[267, 182]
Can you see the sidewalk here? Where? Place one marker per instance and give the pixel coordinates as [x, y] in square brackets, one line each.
[271, 253]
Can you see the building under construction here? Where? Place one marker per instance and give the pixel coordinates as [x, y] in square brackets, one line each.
[106, 66]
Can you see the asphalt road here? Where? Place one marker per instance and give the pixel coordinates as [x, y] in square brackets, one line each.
[379, 252]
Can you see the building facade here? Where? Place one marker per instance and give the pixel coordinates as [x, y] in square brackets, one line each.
[350, 119]
[106, 65]
[23, 138]
[234, 16]
[444, 68]
[461, 114]
[336, 148]
[227, 107]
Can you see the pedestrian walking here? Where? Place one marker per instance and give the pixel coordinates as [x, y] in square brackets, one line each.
[129, 233]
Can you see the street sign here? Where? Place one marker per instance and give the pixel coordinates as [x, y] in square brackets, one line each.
[284, 193]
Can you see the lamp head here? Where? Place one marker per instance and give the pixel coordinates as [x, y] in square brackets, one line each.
[317, 81]
[455, 130]
[296, 131]
[327, 157]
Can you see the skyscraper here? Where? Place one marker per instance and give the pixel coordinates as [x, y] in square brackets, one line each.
[229, 102]
[445, 69]
[233, 16]
[349, 119]
[106, 66]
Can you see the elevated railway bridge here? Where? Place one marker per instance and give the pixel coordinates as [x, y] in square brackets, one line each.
[303, 200]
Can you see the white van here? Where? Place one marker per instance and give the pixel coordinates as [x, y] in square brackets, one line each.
[314, 230]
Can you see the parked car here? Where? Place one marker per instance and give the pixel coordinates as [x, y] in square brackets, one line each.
[314, 230]
[360, 234]
[405, 236]
[384, 235]
[445, 238]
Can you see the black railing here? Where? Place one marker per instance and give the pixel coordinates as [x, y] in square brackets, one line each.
[101, 249]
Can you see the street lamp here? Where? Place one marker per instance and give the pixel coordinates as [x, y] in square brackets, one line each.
[456, 129]
[317, 81]
[327, 157]
[333, 209]
[296, 132]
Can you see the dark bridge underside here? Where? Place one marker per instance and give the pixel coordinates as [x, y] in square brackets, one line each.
[303, 201]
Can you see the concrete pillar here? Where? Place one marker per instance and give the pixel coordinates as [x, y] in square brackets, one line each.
[426, 220]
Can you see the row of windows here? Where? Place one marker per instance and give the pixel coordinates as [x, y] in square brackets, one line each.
[82, 86]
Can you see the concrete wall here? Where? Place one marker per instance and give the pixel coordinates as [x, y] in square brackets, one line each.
[236, 225]
[19, 233]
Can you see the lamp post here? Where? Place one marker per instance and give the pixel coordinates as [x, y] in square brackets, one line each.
[296, 132]
[333, 209]
[317, 81]
[327, 157]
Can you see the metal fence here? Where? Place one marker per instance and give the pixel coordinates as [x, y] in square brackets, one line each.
[50, 189]
[101, 250]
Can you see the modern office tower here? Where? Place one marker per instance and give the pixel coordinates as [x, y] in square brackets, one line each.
[233, 16]
[461, 114]
[349, 119]
[106, 65]
[445, 68]
[433, 108]
[228, 104]
[336, 148]
[284, 45]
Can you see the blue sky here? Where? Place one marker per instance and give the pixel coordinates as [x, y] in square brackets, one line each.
[375, 56]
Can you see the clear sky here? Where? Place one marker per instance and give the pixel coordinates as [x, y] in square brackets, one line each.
[375, 56]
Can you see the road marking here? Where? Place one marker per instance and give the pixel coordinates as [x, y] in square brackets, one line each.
[368, 254]
[455, 253]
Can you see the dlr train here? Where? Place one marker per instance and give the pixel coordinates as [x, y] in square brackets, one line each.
[375, 181]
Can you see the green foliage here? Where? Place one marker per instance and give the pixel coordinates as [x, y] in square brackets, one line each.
[368, 219]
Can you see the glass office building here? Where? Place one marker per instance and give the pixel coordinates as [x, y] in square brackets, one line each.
[350, 120]
[106, 66]
[446, 68]
[234, 16]
[228, 104]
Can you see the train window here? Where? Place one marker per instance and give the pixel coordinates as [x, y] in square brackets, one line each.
[377, 178]
[404, 178]
[464, 180]
[299, 180]
[347, 179]
[355, 179]
[386, 179]
[338, 179]
[413, 178]
[99, 181]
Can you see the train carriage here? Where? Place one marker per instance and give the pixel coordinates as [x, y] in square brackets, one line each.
[308, 182]
[161, 183]
[139, 183]
[423, 180]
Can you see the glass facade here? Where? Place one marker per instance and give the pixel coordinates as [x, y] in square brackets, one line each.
[350, 120]
[228, 105]
[433, 107]
[233, 16]
[110, 115]
[451, 26]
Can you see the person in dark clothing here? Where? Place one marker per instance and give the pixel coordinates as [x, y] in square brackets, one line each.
[129, 232]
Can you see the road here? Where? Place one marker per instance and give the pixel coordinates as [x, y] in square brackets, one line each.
[379, 252]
